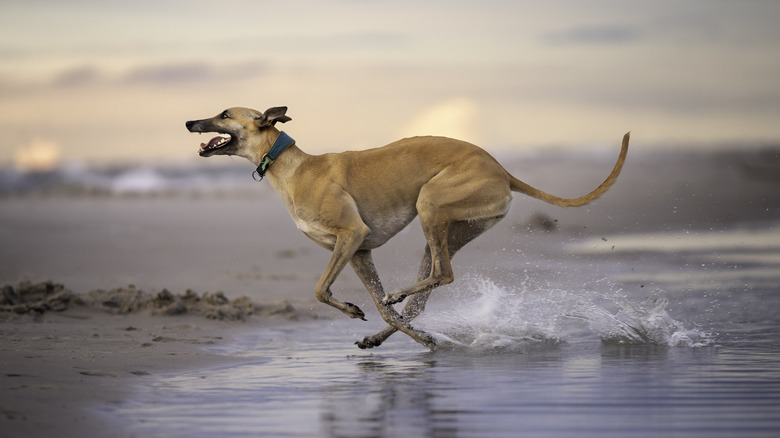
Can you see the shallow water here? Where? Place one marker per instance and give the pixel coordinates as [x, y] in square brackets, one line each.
[298, 389]
[675, 341]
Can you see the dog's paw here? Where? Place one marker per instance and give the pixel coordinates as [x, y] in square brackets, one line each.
[354, 311]
[429, 341]
[394, 298]
[368, 342]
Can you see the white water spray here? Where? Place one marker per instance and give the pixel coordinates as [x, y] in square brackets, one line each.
[480, 314]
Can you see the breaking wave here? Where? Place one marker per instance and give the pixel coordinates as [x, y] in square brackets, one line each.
[525, 316]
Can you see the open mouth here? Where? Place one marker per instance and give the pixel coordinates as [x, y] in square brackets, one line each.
[215, 143]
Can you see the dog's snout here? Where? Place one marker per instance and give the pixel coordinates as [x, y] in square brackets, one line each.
[189, 124]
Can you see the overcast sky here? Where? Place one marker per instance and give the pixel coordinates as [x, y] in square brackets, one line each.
[98, 80]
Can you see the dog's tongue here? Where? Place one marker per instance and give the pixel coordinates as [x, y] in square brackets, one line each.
[213, 142]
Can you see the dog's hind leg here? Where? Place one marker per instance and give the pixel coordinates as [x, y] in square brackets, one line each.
[439, 206]
[460, 234]
[363, 265]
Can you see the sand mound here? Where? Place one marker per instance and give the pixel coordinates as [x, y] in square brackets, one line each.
[47, 296]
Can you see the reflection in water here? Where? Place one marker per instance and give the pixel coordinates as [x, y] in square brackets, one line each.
[384, 399]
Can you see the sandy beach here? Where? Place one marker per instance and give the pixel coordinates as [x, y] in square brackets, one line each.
[104, 292]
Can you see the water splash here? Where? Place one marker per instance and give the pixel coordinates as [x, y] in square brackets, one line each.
[482, 315]
[646, 323]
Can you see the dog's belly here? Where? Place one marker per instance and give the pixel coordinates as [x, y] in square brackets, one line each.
[384, 227]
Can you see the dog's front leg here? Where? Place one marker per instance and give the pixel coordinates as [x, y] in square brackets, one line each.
[460, 234]
[347, 242]
[363, 265]
[414, 306]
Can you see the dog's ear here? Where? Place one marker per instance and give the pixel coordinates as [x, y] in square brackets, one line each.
[271, 116]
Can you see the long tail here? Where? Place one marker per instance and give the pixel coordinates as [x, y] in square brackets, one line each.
[518, 186]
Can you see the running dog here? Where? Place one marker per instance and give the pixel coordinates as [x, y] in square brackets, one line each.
[353, 202]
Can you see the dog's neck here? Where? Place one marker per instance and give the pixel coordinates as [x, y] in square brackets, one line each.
[284, 166]
[283, 141]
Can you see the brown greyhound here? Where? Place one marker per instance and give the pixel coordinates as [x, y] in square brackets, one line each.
[353, 202]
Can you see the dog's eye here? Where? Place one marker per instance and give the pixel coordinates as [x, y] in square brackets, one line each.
[224, 115]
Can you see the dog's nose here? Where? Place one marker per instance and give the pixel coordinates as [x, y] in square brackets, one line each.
[189, 124]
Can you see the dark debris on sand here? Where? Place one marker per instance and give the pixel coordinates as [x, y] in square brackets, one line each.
[37, 298]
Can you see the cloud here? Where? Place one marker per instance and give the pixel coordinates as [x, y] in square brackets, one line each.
[358, 41]
[170, 73]
[587, 35]
[189, 72]
[78, 76]
[153, 74]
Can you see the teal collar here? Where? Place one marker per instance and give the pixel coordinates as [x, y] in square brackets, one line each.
[282, 142]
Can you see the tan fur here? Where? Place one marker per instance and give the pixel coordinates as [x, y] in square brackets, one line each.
[353, 202]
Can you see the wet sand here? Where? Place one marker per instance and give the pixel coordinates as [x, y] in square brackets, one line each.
[143, 286]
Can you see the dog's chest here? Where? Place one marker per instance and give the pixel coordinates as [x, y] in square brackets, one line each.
[317, 234]
[322, 237]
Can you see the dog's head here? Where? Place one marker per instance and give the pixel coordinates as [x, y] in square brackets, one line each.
[241, 131]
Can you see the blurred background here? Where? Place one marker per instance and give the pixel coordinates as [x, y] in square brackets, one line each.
[101, 184]
[95, 82]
